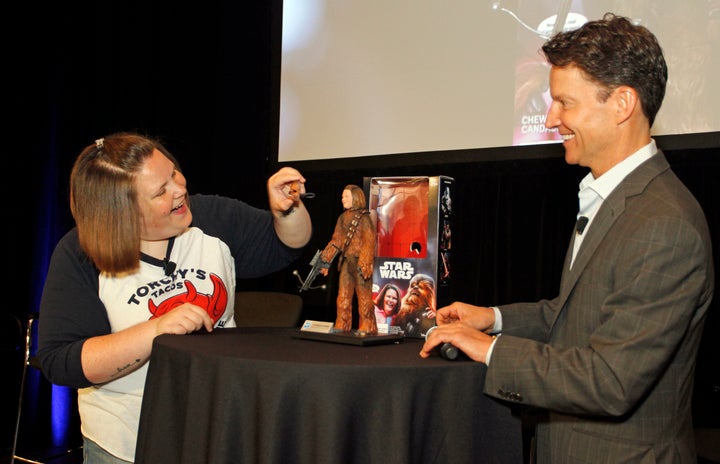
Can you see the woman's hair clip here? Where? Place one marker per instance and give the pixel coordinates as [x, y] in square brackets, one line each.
[99, 143]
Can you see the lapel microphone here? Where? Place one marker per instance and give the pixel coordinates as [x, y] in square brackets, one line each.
[169, 266]
[580, 224]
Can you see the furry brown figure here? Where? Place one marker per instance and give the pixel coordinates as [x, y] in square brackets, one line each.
[354, 242]
[417, 310]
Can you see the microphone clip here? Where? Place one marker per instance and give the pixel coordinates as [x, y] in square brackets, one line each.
[168, 267]
[581, 223]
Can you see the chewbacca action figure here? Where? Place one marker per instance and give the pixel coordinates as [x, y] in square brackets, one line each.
[354, 243]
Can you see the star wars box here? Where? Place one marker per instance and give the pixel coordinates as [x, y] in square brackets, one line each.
[413, 217]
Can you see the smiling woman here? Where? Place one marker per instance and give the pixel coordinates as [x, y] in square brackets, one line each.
[135, 268]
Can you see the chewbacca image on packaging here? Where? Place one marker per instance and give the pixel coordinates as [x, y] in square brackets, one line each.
[417, 309]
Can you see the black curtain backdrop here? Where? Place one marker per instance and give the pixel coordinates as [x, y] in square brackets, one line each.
[201, 76]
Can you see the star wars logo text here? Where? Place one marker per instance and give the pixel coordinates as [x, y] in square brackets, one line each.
[397, 270]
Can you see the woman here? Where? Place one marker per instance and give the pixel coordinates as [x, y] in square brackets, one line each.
[387, 304]
[145, 259]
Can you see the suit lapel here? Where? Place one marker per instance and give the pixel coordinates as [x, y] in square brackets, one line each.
[610, 211]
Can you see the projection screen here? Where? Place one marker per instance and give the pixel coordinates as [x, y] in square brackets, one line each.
[386, 77]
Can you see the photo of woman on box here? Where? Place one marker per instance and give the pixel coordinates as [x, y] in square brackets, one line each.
[387, 304]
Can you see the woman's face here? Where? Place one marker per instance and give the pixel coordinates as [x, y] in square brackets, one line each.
[390, 301]
[162, 196]
[347, 199]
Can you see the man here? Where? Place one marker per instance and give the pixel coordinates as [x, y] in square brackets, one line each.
[611, 359]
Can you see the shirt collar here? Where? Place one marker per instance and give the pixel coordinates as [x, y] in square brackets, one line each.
[605, 184]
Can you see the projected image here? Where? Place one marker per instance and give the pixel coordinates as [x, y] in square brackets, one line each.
[363, 78]
[686, 31]
[532, 93]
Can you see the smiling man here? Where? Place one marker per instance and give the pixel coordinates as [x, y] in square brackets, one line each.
[610, 360]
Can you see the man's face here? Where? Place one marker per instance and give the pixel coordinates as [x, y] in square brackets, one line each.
[587, 125]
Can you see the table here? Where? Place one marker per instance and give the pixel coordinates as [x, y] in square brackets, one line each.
[251, 395]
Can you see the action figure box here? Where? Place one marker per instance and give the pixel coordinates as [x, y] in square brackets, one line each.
[413, 218]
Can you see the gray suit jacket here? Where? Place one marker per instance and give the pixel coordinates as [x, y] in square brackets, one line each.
[612, 357]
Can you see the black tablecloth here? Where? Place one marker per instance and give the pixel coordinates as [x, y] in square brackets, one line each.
[262, 396]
